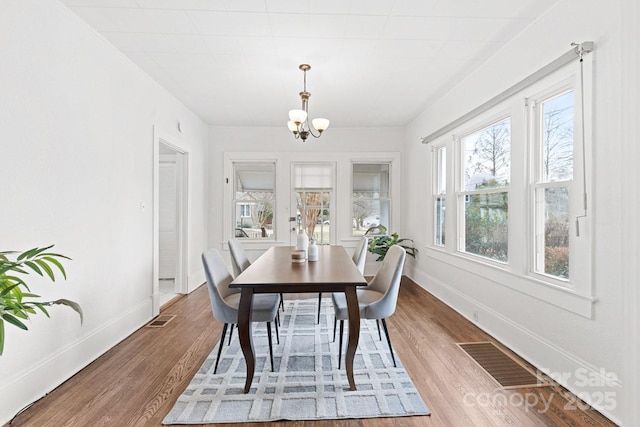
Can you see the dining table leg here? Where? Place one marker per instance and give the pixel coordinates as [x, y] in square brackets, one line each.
[244, 334]
[354, 332]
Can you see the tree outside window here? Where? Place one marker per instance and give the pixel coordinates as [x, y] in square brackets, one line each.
[370, 196]
[484, 198]
[555, 146]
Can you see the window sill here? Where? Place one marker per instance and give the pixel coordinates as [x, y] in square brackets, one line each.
[565, 298]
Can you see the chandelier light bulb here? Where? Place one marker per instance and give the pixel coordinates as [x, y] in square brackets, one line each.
[297, 116]
[320, 124]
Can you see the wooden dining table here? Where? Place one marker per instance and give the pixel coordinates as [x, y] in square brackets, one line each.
[274, 272]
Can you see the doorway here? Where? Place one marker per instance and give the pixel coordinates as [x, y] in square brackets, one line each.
[170, 222]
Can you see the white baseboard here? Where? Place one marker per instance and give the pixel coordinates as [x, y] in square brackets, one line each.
[600, 389]
[39, 380]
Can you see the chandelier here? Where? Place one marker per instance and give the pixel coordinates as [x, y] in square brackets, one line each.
[298, 123]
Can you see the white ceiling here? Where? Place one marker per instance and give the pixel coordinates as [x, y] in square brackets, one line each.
[374, 62]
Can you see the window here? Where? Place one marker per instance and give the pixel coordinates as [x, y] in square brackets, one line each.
[313, 195]
[370, 198]
[521, 216]
[483, 198]
[439, 197]
[553, 178]
[253, 199]
[245, 211]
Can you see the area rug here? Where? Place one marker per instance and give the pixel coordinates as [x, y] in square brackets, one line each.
[306, 383]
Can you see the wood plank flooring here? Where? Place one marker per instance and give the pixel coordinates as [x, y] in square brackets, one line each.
[137, 382]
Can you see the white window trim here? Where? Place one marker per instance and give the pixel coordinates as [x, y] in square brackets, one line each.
[435, 194]
[460, 192]
[228, 211]
[283, 161]
[576, 299]
[332, 191]
[390, 193]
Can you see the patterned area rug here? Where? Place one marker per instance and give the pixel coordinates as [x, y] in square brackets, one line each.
[306, 384]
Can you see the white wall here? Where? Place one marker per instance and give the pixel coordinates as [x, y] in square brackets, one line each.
[336, 144]
[76, 122]
[548, 336]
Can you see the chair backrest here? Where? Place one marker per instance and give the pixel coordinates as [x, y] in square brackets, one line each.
[218, 279]
[387, 281]
[239, 259]
[360, 255]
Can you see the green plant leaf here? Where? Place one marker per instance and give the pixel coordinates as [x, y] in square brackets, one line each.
[42, 308]
[57, 264]
[1, 336]
[46, 269]
[11, 319]
[8, 289]
[33, 266]
[32, 253]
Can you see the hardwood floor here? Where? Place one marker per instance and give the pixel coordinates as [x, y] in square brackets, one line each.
[137, 381]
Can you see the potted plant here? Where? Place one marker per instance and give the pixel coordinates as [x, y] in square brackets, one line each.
[380, 243]
[17, 303]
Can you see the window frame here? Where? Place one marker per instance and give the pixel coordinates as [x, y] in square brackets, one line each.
[577, 296]
[235, 203]
[461, 195]
[439, 191]
[579, 252]
[332, 194]
[389, 197]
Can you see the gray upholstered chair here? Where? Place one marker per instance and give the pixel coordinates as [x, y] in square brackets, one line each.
[225, 300]
[239, 259]
[378, 300]
[359, 258]
[240, 262]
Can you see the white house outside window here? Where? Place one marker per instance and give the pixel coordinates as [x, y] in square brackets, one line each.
[254, 199]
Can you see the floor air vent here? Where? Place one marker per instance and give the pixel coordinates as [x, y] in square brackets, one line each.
[160, 321]
[505, 370]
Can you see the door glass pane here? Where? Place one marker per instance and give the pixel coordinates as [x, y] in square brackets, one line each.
[486, 225]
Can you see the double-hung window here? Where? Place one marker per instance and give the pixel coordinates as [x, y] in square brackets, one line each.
[535, 165]
[440, 194]
[553, 183]
[483, 197]
[370, 197]
[254, 199]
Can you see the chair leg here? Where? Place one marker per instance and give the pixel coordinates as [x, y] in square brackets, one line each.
[340, 343]
[378, 325]
[270, 344]
[319, 305]
[335, 322]
[386, 331]
[282, 302]
[224, 332]
[278, 318]
[231, 333]
[277, 331]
